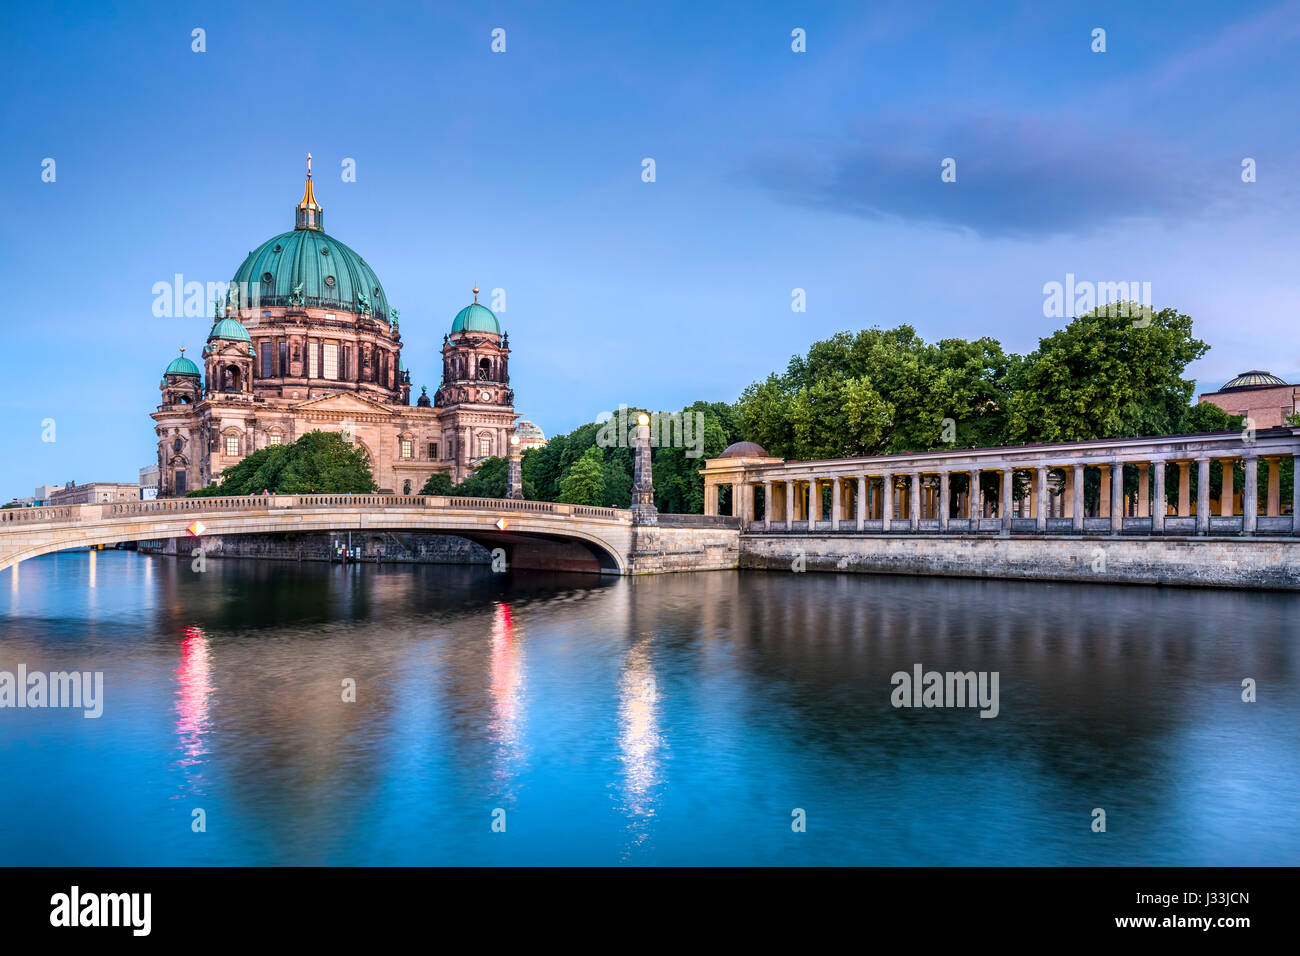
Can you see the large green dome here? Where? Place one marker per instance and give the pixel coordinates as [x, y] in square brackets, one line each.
[476, 318]
[332, 275]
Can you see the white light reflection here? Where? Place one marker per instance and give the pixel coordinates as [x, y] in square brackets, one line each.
[193, 688]
[639, 741]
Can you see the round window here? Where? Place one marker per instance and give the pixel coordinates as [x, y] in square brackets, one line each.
[267, 277]
[277, 248]
[324, 250]
[329, 281]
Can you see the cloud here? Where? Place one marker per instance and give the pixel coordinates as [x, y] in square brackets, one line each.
[1025, 176]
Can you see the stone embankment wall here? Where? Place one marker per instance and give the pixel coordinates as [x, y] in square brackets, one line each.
[1203, 562]
[387, 546]
[685, 543]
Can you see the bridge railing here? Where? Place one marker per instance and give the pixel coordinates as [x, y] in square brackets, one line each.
[56, 513]
[197, 506]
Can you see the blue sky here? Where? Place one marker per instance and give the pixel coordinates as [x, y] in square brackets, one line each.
[521, 170]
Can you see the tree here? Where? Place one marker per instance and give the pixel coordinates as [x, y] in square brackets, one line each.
[439, 483]
[1103, 376]
[584, 482]
[317, 462]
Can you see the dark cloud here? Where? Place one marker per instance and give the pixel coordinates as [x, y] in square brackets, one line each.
[1019, 176]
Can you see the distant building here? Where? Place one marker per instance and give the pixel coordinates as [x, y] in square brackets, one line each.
[530, 436]
[43, 493]
[95, 493]
[149, 482]
[1261, 396]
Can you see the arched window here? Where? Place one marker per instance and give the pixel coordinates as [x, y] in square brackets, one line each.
[485, 369]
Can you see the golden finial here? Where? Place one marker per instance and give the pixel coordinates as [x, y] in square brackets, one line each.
[182, 351]
[476, 294]
[309, 165]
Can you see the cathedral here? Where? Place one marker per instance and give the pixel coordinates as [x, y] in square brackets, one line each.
[307, 341]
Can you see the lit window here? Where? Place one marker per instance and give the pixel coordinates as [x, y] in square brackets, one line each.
[273, 440]
[407, 448]
[485, 446]
[232, 445]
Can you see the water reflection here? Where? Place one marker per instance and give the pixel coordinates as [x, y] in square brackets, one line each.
[639, 741]
[507, 686]
[193, 688]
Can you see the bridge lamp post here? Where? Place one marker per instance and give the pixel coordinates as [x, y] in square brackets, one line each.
[515, 475]
[643, 489]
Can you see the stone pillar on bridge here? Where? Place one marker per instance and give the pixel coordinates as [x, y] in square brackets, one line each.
[1117, 497]
[945, 499]
[1159, 502]
[1077, 500]
[1040, 489]
[860, 500]
[643, 489]
[1202, 496]
[515, 475]
[1250, 495]
[887, 500]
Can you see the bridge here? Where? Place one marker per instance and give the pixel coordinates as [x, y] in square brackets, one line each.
[534, 534]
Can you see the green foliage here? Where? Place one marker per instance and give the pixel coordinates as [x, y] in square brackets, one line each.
[1207, 417]
[1102, 376]
[439, 483]
[584, 482]
[317, 462]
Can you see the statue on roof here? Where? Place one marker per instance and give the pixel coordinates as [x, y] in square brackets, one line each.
[365, 303]
[295, 297]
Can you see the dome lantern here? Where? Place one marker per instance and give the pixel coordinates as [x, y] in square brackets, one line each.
[308, 212]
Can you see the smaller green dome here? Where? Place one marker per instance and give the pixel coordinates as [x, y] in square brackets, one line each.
[476, 318]
[229, 329]
[182, 366]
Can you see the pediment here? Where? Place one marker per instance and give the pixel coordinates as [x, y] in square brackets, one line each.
[343, 404]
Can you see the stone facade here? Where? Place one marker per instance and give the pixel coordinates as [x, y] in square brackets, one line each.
[1267, 405]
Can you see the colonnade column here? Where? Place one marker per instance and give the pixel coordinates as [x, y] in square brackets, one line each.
[1117, 498]
[914, 501]
[1040, 475]
[975, 506]
[1226, 507]
[767, 505]
[887, 499]
[710, 499]
[1006, 496]
[1159, 505]
[789, 504]
[1274, 486]
[1250, 495]
[945, 494]
[1295, 494]
[1202, 496]
[835, 504]
[1077, 515]
[861, 502]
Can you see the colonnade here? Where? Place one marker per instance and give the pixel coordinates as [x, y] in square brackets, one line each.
[1145, 489]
